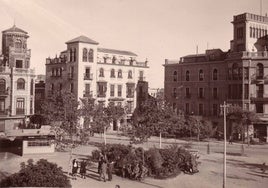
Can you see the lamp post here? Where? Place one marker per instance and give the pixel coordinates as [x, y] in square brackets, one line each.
[224, 107]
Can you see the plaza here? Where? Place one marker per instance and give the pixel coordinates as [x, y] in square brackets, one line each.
[242, 171]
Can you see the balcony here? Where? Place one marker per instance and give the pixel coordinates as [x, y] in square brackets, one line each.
[22, 71]
[259, 98]
[88, 76]
[70, 76]
[102, 95]
[88, 94]
[4, 92]
[141, 78]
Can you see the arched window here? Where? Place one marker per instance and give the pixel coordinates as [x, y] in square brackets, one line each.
[215, 74]
[84, 55]
[71, 55]
[101, 72]
[259, 71]
[114, 60]
[119, 73]
[201, 75]
[235, 71]
[74, 58]
[187, 78]
[20, 83]
[175, 77]
[90, 55]
[2, 85]
[112, 73]
[130, 74]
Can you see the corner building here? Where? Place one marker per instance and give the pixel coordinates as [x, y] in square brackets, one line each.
[108, 75]
[16, 79]
[199, 83]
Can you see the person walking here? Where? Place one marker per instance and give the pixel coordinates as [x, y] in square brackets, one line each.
[110, 170]
[74, 168]
[103, 170]
[83, 169]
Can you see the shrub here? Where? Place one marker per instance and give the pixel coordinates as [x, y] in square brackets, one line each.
[41, 174]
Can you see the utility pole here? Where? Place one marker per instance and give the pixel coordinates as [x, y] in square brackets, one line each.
[224, 107]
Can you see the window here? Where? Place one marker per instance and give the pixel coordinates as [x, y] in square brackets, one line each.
[20, 106]
[259, 90]
[19, 64]
[259, 108]
[32, 87]
[187, 108]
[175, 77]
[71, 55]
[215, 93]
[215, 74]
[141, 77]
[201, 92]
[246, 73]
[119, 92]
[38, 143]
[130, 90]
[112, 73]
[2, 86]
[129, 74]
[74, 56]
[119, 73]
[246, 92]
[201, 75]
[21, 84]
[250, 32]
[102, 89]
[235, 71]
[240, 33]
[187, 92]
[90, 55]
[215, 109]
[201, 109]
[87, 75]
[2, 106]
[114, 60]
[71, 87]
[259, 71]
[174, 92]
[112, 90]
[31, 106]
[101, 72]
[87, 90]
[187, 77]
[84, 55]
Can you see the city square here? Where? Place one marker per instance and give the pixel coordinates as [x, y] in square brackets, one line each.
[125, 94]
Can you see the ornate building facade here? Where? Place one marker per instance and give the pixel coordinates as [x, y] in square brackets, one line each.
[87, 70]
[199, 83]
[16, 79]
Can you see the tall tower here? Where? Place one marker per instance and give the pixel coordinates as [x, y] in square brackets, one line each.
[249, 33]
[16, 78]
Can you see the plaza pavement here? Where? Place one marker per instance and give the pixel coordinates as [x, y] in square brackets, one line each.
[242, 171]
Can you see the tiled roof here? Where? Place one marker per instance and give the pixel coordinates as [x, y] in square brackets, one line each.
[15, 29]
[82, 39]
[112, 51]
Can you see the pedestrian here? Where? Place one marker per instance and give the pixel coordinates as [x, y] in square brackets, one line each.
[136, 171]
[83, 169]
[74, 168]
[103, 170]
[231, 139]
[110, 170]
[100, 162]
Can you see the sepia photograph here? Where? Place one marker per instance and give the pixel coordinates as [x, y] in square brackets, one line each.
[134, 93]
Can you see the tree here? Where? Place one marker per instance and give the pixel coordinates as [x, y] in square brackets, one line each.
[154, 117]
[61, 111]
[243, 118]
[41, 174]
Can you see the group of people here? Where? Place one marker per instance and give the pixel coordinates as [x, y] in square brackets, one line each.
[76, 165]
[105, 167]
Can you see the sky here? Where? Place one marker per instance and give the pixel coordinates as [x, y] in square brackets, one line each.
[153, 29]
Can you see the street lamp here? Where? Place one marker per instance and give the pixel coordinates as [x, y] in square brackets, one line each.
[224, 107]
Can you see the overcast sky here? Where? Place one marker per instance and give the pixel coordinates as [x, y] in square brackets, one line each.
[153, 29]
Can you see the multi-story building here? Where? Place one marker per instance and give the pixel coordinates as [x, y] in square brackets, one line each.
[16, 79]
[199, 83]
[17, 96]
[86, 70]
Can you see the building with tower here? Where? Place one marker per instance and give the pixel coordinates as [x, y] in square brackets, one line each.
[17, 94]
[199, 83]
[107, 75]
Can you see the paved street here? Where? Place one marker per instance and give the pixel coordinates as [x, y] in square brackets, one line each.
[242, 171]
